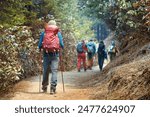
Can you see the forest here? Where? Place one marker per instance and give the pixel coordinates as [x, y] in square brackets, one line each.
[125, 21]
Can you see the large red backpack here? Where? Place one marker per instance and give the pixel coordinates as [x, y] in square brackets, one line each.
[51, 41]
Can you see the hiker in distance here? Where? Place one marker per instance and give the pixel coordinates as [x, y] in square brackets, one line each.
[112, 50]
[81, 54]
[102, 54]
[91, 50]
[51, 41]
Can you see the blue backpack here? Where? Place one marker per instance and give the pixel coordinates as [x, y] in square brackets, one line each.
[80, 47]
[90, 48]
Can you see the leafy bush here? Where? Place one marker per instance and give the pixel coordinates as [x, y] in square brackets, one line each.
[17, 52]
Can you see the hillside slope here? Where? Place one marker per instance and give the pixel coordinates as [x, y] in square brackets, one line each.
[128, 81]
[128, 76]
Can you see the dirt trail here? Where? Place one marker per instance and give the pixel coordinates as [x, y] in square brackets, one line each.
[28, 89]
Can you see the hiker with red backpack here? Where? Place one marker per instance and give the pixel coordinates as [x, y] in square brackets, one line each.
[51, 42]
[81, 51]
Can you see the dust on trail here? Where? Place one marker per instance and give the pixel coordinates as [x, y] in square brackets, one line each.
[28, 89]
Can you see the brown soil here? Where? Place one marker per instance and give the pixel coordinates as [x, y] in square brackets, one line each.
[128, 76]
[28, 89]
[128, 81]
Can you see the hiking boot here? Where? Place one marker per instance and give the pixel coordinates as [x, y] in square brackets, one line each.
[51, 93]
[53, 90]
[100, 68]
[44, 89]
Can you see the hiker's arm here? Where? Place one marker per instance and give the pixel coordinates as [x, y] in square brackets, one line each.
[60, 40]
[41, 40]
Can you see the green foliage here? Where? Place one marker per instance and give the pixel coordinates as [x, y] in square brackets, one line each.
[70, 18]
[15, 12]
[25, 12]
[16, 46]
[120, 15]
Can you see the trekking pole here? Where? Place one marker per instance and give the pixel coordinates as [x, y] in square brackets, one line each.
[40, 72]
[61, 67]
[62, 80]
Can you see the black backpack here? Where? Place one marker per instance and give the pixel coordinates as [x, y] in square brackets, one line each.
[101, 51]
